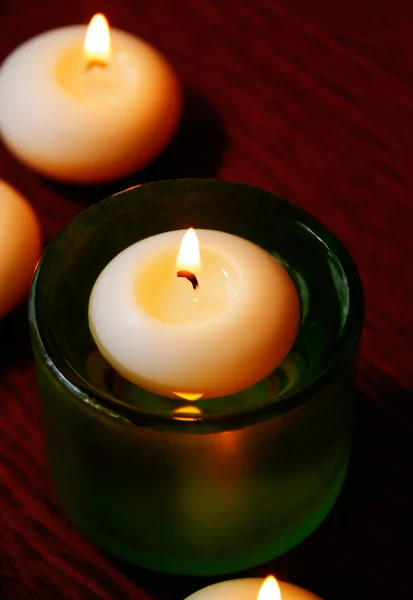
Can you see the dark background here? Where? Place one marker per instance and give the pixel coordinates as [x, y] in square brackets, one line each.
[310, 99]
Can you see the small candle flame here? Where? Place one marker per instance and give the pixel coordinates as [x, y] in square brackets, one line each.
[189, 257]
[270, 590]
[97, 46]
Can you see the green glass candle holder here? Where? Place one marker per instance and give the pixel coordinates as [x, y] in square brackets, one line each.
[219, 485]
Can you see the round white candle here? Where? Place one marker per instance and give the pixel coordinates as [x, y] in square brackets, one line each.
[225, 335]
[87, 115]
[252, 589]
[20, 246]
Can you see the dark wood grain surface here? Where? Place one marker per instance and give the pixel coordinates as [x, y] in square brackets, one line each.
[310, 99]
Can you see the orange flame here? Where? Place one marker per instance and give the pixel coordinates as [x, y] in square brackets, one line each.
[270, 590]
[189, 257]
[97, 46]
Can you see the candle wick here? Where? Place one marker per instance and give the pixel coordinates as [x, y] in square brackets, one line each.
[95, 62]
[190, 276]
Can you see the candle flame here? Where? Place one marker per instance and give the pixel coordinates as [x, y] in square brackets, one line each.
[270, 590]
[189, 257]
[97, 46]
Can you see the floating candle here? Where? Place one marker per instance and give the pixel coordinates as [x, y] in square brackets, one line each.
[85, 106]
[196, 323]
[20, 245]
[253, 589]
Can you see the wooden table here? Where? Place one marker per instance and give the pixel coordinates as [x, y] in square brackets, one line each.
[311, 100]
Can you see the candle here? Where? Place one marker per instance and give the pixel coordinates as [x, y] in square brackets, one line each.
[249, 476]
[20, 245]
[193, 320]
[88, 107]
[253, 589]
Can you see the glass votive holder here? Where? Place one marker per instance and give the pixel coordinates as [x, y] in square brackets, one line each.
[217, 485]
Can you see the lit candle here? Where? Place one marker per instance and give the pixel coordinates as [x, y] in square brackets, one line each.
[87, 106]
[253, 589]
[20, 246]
[193, 320]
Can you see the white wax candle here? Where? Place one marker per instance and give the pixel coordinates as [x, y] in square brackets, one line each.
[162, 334]
[20, 246]
[87, 115]
[249, 589]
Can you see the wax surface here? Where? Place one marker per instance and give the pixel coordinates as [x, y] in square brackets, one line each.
[20, 246]
[247, 589]
[83, 124]
[160, 333]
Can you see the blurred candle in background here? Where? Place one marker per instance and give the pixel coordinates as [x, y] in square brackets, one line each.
[20, 246]
[87, 105]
